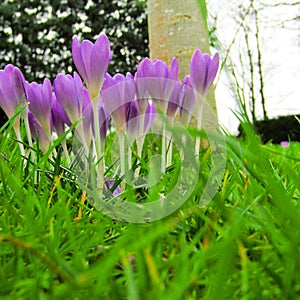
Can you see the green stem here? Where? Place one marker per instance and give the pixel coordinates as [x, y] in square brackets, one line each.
[163, 149]
[19, 138]
[139, 144]
[122, 152]
[29, 137]
[199, 124]
[99, 153]
[169, 146]
[64, 146]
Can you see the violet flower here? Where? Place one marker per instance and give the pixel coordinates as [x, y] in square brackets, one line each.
[71, 95]
[203, 70]
[132, 121]
[88, 121]
[87, 117]
[69, 92]
[11, 89]
[284, 144]
[39, 97]
[59, 117]
[187, 100]
[91, 61]
[144, 69]
[12, 95]
[38, 133]
[103, 122]
[174, 101]
[117, 93]
[59, 121]
[155, 80]
[109, 184]
[145, 123]
[149, 117]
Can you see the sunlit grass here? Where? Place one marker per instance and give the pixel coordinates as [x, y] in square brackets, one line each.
[243, 245]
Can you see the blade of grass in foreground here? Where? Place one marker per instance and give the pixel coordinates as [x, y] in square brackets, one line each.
[243, 245]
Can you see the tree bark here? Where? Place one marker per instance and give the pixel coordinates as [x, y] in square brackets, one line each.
[176, 28]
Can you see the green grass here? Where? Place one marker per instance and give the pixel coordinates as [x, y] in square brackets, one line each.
[243, 245]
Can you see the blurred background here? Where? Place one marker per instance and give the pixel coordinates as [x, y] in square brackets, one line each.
[258, 43]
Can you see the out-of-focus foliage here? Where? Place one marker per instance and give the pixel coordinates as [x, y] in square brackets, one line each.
[36, 35]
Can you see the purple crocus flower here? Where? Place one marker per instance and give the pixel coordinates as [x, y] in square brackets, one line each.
[103, 121]
[174, 101]
[109, 184]
[91, 61]
[69, 92]
[39, 97]
[149, 116]
[203, 70]
[187, 100]
[143, 71]
[155, 80]
[88, 120]
[88, 117]
[59, 117]
[284, 144]
[117, 93]
[132, 121]
[11, 89]
[59, 120]
[38, 133]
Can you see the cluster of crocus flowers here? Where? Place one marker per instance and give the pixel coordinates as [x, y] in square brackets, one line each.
[90, 99]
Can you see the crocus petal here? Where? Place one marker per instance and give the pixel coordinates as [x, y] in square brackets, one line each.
[91, 61]
[39, 97]
[145, 68]
[116, 93]
[109, 184]
[59, 117]
[187, 100]
[110, 97]
[103, 122]
[70, 94]
[174, 103]
[161, 68]
[77, 58]
[212, 70]
[149, 116]
[38, 133]
[171, 82]
[198, 71]
[100, 58]
[132, 121]
[11, 89]
[86, 51]
[88, 117]
[130, 89]
[173, 73]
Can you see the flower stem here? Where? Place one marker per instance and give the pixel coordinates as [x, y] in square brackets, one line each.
[99, 153]
[139, 144]
[64, 146]
[122, 152]
[29, 137]
[169, 146]
[199, 124]
[163, 149]
[16, 127]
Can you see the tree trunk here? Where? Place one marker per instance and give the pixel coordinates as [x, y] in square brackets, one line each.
[176, 28]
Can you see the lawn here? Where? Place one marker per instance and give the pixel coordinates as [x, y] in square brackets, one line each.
[244, 244]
